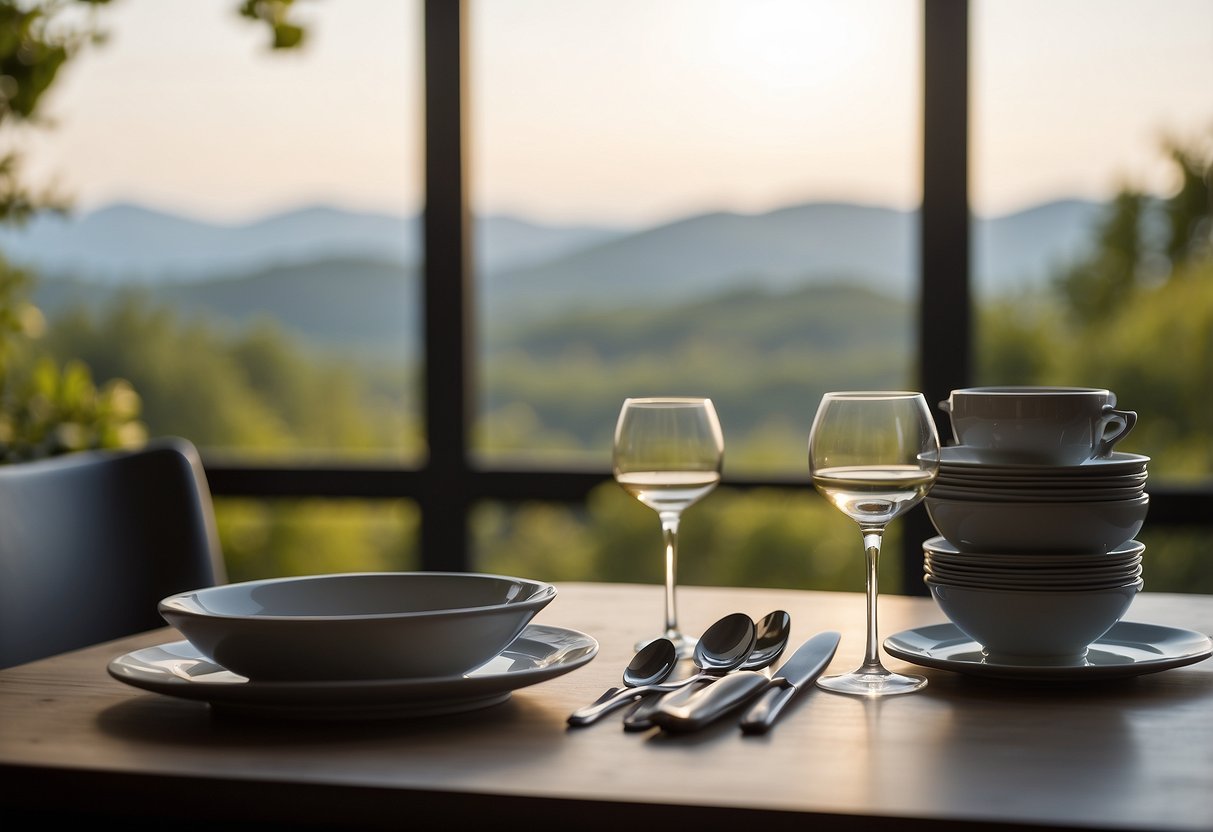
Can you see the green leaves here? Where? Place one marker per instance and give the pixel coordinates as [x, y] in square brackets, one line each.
[58, 409]
[46, 408]
[285, 33]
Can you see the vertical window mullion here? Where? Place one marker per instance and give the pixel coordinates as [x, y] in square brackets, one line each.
[945, 315]
[446, 297]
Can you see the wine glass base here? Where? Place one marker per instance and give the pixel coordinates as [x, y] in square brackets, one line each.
[684, 644]
[867, 682]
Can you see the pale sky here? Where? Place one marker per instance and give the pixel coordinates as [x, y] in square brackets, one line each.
[622, 111]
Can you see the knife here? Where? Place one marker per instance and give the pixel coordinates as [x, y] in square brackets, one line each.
[691, 712]
[797, 672]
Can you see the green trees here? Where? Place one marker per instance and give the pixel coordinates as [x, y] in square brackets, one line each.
[1143, 241]
[1135, 315]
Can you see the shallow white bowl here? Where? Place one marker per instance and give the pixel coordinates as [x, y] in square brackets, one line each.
[361, 625]
[1034, 626]
[1009, 527]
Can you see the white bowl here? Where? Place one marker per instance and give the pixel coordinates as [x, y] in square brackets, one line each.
[362, 625]
[1008, 527]
[1034, 626]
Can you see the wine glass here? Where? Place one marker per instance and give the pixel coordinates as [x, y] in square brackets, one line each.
[874, 455]
[668, 454]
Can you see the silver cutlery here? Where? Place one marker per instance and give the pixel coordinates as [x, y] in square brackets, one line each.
[771, 639]
[651, 665]
[721, 648]
[724, 696]
[798, 672]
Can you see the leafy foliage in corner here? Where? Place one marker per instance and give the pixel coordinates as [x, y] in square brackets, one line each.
[1144, 242]
[48, 408]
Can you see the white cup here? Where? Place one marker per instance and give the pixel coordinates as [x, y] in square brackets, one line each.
[1038, 425]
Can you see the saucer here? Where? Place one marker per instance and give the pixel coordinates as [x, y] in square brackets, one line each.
[177, 669]
[964, 457]
[1130, 648]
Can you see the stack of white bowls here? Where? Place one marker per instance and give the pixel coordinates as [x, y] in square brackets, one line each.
[1037, 517]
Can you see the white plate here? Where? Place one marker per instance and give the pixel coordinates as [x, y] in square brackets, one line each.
[963, 457]
[1031, 573]
[1031, 495]
[1061, 582]
[959, 479]
[1084, 585]
[1038, 566]
[1130, 648]
[540, 653]
[940, 547]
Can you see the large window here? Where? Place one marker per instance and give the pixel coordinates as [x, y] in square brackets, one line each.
[396, 283]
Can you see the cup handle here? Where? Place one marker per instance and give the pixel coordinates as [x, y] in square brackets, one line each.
[946, 406]
[1114, 426]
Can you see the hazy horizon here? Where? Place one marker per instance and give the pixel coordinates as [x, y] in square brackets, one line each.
[627, 114]
[79, 212]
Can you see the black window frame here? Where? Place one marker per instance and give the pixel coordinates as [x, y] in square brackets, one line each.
[449, 482]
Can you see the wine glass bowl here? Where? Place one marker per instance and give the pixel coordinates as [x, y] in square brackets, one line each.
[668, 454]
[873, 455]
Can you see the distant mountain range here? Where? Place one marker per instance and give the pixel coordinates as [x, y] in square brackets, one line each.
[130, 243]
[124, 243]
[347, 277]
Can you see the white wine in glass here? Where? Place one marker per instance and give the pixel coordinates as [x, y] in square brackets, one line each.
[874, 455]
[668, 454]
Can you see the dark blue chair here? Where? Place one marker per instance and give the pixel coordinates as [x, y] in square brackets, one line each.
[91, 541]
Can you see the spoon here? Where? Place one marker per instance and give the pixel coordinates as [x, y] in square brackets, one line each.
[770, 641]
[651, 664]
[721, 648]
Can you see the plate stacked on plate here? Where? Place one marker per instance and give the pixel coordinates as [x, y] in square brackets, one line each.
[358, 644]
[1092, 507]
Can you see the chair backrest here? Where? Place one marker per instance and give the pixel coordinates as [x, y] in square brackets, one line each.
[91, 541]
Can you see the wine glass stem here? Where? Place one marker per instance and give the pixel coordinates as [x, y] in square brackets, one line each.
[871, 543]
[669, 532]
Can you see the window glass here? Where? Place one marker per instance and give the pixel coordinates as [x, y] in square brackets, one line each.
[243, 242]
[275, 538]
[688, 198]
[762, 538]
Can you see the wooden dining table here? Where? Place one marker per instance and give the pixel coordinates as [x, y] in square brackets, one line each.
[965, 752]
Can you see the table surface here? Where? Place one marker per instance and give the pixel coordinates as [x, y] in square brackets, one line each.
[964, 752]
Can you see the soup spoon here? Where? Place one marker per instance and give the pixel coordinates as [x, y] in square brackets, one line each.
[770, 641]
[721, 648]
[651, 664]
